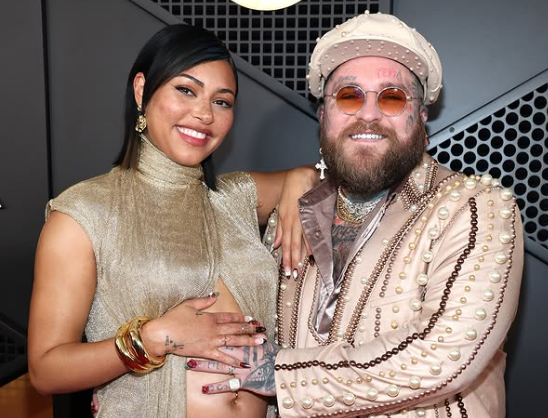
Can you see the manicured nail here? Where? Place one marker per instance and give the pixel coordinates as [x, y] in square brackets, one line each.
[214, 294]
[260, 341]
[260, 329]
[205, 389]
[287, 272]
[245, 365]
[295, 274]
[191, 364]
[255, 322]
[248, 319]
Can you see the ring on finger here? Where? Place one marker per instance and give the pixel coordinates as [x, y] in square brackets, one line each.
[231, 370]
[225, 339]
[234, 384]
[243, 329]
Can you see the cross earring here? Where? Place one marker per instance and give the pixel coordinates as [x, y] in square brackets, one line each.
[321, 166]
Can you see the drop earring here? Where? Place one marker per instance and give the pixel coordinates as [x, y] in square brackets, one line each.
[321, 166]
[141, 124]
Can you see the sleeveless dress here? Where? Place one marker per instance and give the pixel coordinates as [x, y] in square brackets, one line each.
[160, 236]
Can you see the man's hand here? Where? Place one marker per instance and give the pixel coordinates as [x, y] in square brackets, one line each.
[256, 375]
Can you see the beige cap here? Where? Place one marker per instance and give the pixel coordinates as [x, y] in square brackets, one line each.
[379, 35]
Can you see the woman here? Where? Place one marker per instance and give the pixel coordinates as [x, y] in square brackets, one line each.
[129, 257]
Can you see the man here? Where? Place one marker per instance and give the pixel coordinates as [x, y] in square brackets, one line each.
[413, 283]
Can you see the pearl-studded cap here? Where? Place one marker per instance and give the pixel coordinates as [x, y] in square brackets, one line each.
[379, 35]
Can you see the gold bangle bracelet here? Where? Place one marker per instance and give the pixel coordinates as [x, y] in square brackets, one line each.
[127, 357]
[134, 334]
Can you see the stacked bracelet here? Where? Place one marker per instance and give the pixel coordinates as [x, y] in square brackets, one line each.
[131, 349]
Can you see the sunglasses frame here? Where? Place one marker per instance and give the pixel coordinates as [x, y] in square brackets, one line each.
[379, 92]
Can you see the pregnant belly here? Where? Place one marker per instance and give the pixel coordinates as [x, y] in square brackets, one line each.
[223, 405]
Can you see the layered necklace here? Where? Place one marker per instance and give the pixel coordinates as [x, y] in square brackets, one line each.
[354, 212]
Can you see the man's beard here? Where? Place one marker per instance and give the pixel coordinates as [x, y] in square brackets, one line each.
[366, 173]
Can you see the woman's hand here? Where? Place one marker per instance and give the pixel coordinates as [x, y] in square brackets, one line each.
[257, 378]
[289, 232]
[189, 332]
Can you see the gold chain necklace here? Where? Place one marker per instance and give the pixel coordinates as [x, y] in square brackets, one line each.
[352, 212]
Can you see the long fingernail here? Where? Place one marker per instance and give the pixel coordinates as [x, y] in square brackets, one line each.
[245, 365]
[205, 389]
[191, 364]
[260, 329]
[256, 323]
[248, 319]
[287, 272]
[260, 341]
[295, 274]
[214, 294]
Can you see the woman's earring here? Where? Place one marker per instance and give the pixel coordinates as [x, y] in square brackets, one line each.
[141, 124]
[321, 166]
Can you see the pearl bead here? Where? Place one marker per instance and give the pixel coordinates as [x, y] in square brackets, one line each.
[427, 256]
[393, 391]
[471, 334]
[495, 183]
[501, 258]
[488, 295]
[300, 264]
[358, 259]
[307, 403]
[285, 345]
[422, 279]
[364, 280]
[480, 314]
[435, 369]
[433, 232]
[315, 382]
[269, 238]
[416, 305]
[486, 179]
[372, 394]
[288, 403]
[402, 275]
[420, 413]
[329, 400]
[495, 276]
[454, 354]
[505, 212]
[385, 241]
[394, 325]
[283, 286]
[414, 382]
[506, 194]
[470, 183]
[454, 196]
[289, 304]
[399, 290]
[505, 237]
[443, 213]
[395, 309]
[349, 399]
[272, 221]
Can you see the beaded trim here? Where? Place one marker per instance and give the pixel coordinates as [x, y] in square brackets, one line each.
[411, 195]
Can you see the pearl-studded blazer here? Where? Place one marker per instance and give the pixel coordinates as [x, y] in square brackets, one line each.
[424, 307]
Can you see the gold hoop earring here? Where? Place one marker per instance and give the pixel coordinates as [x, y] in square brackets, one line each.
[141, 124]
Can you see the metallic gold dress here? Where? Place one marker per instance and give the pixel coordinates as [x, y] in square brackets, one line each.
[161, 237]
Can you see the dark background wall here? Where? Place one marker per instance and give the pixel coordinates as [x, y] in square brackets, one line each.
[64, 65]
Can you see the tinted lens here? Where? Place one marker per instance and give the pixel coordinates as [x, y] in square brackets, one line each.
[350, 99]
[391, 101]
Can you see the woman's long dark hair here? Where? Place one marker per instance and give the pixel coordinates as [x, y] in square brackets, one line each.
[169, 52]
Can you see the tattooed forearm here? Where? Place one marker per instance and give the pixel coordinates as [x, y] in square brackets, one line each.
[261, 379]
